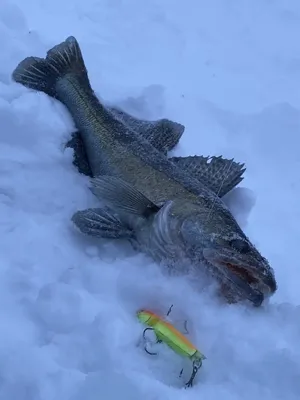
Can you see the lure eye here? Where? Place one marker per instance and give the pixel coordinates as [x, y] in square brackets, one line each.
[240, 245]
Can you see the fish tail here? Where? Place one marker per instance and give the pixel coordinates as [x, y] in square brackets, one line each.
[43, 74]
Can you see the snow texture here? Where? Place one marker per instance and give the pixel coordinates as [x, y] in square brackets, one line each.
[230, 72]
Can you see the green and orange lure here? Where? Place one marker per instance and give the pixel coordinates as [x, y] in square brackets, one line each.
[166, 333]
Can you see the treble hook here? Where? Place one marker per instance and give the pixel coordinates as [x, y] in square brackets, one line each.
[144, 331]
[149, 352]
[196, 365]
[145, 346]
[170, 309]
[185, 322]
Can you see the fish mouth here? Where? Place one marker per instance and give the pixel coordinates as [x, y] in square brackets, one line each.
[264, 282]
[240, 282]
[241, 272]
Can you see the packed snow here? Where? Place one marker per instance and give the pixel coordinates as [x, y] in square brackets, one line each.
[230, 72]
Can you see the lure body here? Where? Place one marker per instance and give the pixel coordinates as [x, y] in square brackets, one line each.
[168, 334]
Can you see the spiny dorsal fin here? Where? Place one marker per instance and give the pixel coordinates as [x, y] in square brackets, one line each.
[214, 172]
[163, 134]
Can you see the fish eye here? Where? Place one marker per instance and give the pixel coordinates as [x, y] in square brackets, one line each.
[190, 231]
[240, 245]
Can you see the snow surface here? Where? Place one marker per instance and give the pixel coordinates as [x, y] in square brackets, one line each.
[230, 72]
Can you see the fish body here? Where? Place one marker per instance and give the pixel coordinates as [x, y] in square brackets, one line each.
[170, 208]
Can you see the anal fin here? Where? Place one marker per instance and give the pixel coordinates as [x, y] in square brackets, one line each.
[217, 173]
[80, 158]
[101, 223]
[163, 134]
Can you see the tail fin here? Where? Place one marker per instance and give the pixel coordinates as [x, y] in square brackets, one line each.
[42, 74]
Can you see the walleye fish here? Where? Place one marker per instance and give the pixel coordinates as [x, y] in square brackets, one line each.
[170, 208]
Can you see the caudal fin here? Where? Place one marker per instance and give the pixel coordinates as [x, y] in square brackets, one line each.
[43, 74]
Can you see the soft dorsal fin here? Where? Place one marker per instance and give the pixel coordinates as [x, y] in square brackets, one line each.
[217, 173]
[163, 134]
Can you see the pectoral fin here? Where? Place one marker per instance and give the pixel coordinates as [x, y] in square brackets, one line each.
[217, 173]
[122, 196]
[102, 223]
[163, 134]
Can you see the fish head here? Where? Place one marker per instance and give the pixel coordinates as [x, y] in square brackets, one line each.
[214, 238]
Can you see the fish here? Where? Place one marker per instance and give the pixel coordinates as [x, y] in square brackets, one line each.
[170, 208]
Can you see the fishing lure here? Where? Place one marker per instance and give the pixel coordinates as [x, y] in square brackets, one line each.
[165, 332]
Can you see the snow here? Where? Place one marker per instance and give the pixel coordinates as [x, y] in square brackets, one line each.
[229, 71]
